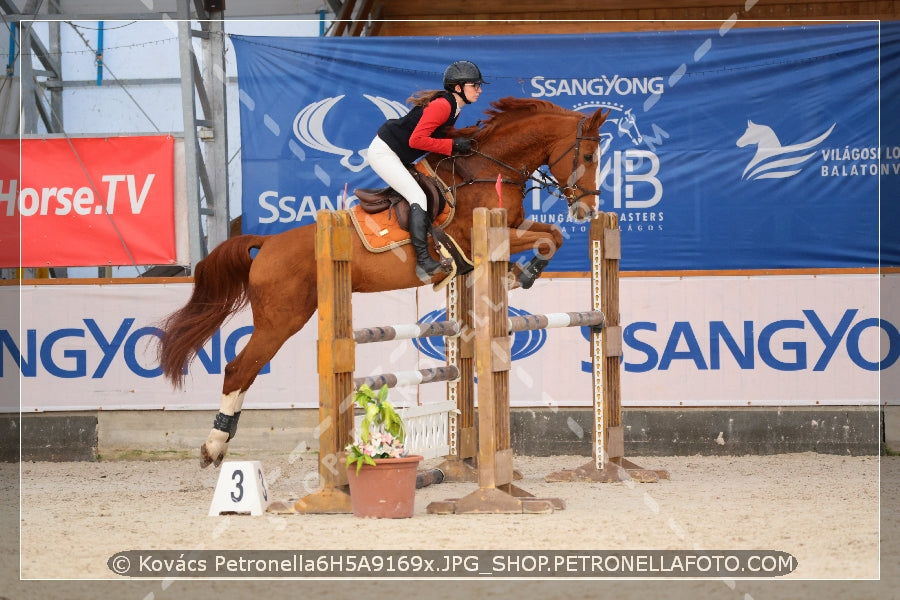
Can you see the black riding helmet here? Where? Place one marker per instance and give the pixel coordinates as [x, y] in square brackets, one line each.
[460, 73]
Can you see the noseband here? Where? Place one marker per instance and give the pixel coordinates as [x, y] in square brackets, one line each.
[569, 191]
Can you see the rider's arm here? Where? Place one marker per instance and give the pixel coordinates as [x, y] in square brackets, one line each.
[435, 114]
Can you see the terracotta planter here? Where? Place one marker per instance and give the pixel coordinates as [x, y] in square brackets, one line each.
[386, 490]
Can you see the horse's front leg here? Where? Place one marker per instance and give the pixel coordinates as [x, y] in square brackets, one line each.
[543, 240]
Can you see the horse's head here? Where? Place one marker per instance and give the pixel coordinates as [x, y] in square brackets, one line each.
[522, 134]
[576, 165]
[761, 135]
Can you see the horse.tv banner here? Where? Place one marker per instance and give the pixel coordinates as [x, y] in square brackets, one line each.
[87, 201]
[724, 149]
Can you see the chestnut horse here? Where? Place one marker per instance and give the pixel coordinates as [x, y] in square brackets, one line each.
[517, 138]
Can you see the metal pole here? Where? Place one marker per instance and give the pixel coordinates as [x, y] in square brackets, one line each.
[196, 241]
[215, 138]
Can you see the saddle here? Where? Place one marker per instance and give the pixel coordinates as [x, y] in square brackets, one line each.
[376, 200]
[438, 197]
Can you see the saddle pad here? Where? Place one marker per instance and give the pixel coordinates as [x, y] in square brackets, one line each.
[380, 232]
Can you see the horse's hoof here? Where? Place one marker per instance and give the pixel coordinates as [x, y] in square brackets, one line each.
[205, 460]
[214, 448]
[525, 280]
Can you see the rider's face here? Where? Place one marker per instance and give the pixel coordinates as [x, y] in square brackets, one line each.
[471, 91]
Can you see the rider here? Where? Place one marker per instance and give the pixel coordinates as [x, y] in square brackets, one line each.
[425, 128]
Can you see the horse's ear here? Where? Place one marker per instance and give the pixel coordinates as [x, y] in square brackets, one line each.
[597, 119]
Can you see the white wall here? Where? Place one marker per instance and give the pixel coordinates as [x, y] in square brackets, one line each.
[813, 342]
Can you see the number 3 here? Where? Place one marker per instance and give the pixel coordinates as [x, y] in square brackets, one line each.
[262, 484]
[239, 476]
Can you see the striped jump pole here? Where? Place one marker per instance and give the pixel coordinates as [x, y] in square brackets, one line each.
[553, 320]
[408, 378]
[405, 332]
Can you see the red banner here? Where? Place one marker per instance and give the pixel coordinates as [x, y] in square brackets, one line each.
[87, 202]
[9, 216]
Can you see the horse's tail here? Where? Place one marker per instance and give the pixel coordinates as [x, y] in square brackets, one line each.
[220, 289]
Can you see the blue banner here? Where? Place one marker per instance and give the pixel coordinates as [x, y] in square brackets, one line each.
[725, 149]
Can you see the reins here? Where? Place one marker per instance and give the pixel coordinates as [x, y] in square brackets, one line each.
[542, 181]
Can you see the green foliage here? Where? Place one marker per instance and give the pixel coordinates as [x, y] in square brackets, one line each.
[381, 432]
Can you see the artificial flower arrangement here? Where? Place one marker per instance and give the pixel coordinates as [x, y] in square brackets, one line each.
[381, 432]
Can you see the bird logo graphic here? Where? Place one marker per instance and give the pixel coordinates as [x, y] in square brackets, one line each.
[309, 128]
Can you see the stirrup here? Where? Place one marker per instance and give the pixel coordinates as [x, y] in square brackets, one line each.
[424, 275]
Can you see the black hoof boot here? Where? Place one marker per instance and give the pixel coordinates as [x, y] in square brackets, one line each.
[532, 271]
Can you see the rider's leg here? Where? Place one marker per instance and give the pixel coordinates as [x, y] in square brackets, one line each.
[392, 170]
[426, 266]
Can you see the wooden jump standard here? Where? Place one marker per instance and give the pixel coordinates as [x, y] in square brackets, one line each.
[460, 350]
[336, 351]
[609, 463]
[496, 493]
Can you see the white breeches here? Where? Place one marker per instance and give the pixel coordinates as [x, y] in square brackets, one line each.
[389, 167]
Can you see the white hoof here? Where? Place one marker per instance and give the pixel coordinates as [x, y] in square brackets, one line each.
[214, 449]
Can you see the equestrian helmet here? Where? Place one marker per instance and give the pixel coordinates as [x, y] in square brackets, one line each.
[461, 72]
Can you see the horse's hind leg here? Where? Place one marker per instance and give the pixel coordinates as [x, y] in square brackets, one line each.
[264, 342]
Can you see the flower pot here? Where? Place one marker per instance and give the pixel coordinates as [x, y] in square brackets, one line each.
[385, 490]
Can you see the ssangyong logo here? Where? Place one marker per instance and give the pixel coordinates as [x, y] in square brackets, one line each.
[309, 128]
[524, 344]
[772, 160]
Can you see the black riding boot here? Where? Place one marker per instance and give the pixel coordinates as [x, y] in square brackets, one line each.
[418, 235]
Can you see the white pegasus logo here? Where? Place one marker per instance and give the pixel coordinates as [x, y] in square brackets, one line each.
[772, 160]
[309, 127]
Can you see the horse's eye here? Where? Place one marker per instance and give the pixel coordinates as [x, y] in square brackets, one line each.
[589, 158]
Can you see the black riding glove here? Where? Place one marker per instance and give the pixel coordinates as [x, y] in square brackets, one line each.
[462, 145]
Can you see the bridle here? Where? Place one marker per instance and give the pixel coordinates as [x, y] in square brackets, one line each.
[569, 191]
[541, 180]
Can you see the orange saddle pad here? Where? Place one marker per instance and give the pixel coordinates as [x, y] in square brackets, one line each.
[381, 232]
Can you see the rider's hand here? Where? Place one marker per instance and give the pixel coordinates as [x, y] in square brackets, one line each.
[462, 145]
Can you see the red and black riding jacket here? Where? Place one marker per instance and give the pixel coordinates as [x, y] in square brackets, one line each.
[423, 129]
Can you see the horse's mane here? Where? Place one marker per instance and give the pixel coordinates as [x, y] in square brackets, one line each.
[504, 110]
